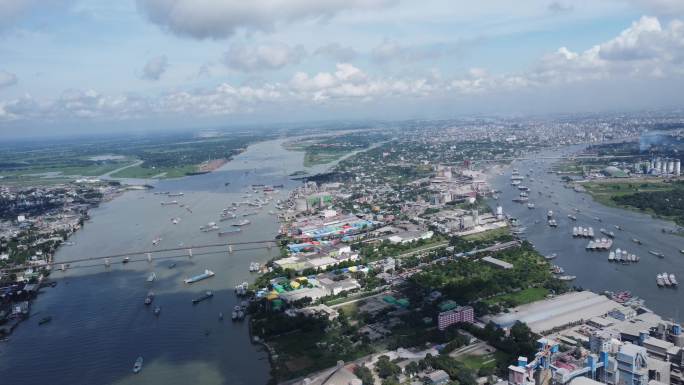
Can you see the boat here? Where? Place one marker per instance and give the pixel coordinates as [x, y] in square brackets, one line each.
[242, 223]
[207, 274]
[673, 280]
[254, 267]
[44, 320]
[208, 294]
[241, 289]
[555, 269]
[126, 260]
[137, 366]
[175, 220]
[611, 256]
[152, 277]
[607, 233]
[169, 203]
[638, 242]
[572, 217]
[149, 298]
[156, 241]
[657, 253]
[220, 316]
[171, 266]
[666, 279]
[180, 194]
[659, 280]
[224, 233]
[550, 257]
[598, 219]
[157, 310]
[549, 214]
[553, 223]
[566, 277]
[618, 227]
[530, 205]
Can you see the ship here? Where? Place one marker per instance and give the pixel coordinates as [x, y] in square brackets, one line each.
[530, 205]
[549, 214]
[566, 277]
[638, 242]
[572, 217]
[207, 274]
[673, 280]
[152, 277]
[137, 366]
[207, 229]
[666, 279]
[157, 311]
[553, 223]
[179, 194]
[657, 253]
[169, 203]
[659, 280]
[550, 257]
[242, 223]
[208, 294]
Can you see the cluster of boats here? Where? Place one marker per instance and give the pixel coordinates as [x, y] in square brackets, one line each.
[666, 280]
[241, 289]
[602, 244]
[239, 311]
[622, 256]
[254, 267]
[583, 232]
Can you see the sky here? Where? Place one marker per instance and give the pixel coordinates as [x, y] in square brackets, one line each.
[101, 65]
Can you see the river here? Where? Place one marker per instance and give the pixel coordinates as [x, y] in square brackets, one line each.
[592, 269]
[100, 324]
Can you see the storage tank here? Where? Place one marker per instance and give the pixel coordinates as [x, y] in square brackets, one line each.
[677, 167]
[670, 166]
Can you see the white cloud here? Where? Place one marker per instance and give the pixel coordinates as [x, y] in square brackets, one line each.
[155, 67]
[337, 52]
[661, 7]
[392, 50]
[7, 79]
[222, 18]
[261, 57]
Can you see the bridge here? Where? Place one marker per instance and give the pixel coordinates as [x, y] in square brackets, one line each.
[189, 251]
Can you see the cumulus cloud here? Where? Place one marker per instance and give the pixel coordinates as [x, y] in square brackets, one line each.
[218, 19]
[155, 67]
[261, 57]
[7, 79]
[337, 52]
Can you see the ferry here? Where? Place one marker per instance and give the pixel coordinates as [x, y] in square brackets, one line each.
[137, 367]
[656, 253]
[208, 294]
[207, 274]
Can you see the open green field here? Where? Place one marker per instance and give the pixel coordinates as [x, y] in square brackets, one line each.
[164, 172]
[475, 362]
[520, 297]
[490, 234]
[603, 192]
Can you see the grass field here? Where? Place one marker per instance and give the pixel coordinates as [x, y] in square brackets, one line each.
[603, 192]
[521, 297]
[142, 172]
[475, 362]
[491, 234]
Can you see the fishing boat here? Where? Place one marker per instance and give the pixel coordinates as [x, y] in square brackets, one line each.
[207, 274]
[137, 366]
[208, 294]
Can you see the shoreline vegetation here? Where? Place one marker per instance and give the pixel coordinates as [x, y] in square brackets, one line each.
[658, 198]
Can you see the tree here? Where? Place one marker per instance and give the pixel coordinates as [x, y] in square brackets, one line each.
[411, 369]
[365, 375]
[386, 368]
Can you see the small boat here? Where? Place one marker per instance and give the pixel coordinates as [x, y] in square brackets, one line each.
[126, 260]
[137, 367]
[220, 317]
[152, 277]
[566, 278]
[171, 266]
[550, 257]
[149, 298]
[673, 280]
[208, 294]
[242, 223]
[44, 320]
[572, 217]
[656, 253]
[157, 310]
[618, 227]
[638, 242]
[659, 280]
[598, 219]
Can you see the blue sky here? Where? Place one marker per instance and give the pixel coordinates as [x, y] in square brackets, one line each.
[159, 63]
